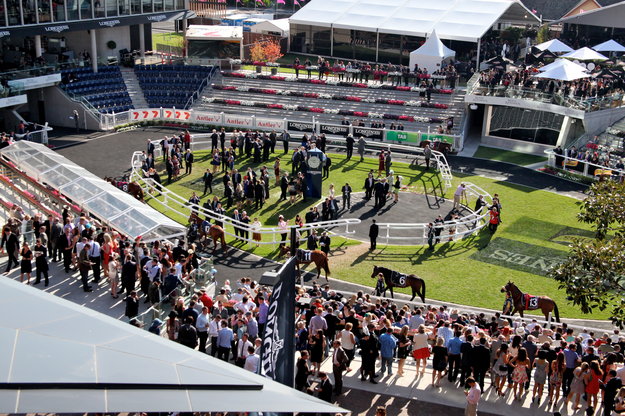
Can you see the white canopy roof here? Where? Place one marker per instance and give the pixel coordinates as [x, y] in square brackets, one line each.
[264, 26]
[555, 46]
[60, 357]
[609, 46]
[208, 32]
[564, 73]
[464, 20]
[561, 62]
[430, 54]
[111, 205]
[585, 54]
[607, 16]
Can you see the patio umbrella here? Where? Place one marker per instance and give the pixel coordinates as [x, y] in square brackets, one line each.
[555, 46]
[563, 73]
[545, 55]
[558, 63]
[585, 54]
[609, 46]
[605, 73]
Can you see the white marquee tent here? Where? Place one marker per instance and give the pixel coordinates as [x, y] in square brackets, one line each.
[431, 54]
[564, 73]
[111, 205]
[60, 357]
[462, 20]
[585, 54]
[609, 46]
[561, 62]
[555, 46]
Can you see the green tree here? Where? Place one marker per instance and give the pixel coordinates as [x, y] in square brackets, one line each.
[543, 34]
[593, 274]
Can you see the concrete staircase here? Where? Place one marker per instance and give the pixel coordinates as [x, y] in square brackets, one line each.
[134, 89]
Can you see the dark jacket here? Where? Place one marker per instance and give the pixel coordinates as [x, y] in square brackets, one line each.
[374, 230]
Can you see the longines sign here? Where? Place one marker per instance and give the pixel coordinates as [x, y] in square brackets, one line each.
[31, 30]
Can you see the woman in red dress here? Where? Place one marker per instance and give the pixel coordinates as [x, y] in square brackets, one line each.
[592, 383]
[381, 158]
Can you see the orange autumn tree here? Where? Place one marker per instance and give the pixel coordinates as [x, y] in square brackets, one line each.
[272, 51]
[257, 52]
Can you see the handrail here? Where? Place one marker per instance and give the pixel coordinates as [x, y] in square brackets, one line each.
[197, 92]
[474, 222]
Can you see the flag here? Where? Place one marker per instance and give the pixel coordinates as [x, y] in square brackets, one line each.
[296, 2]
[278, 348]
[534, 11]
[280, 2]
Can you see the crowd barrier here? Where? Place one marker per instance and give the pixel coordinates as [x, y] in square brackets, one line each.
[202, 119]
[585, 168]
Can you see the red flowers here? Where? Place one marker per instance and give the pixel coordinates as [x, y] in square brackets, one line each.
[361, 114]
[311, 95]
[316, 110]
[353, 98]
[276, 106]
[359, 85]
[406, 118]
[395, 102]
[233, 102]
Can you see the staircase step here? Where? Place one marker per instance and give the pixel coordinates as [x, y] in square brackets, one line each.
[134, 89]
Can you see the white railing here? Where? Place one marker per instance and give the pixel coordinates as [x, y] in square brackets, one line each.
[450, 230]
[176, 204]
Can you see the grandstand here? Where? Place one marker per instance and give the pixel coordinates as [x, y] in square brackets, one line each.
[104, 90]
[453, 102]
[172, 85]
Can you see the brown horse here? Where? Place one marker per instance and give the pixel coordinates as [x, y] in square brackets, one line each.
[395, 279]
[133, 188]
[522, 301]
[215, 233]
[307, 257]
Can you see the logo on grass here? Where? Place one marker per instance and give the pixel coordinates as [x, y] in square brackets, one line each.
[520, 256]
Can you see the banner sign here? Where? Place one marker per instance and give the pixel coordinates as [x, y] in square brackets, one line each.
[144, 114]
[269, 123]
[278, 348]
[182, 115]
[437, 138]
[368, 133]
[245, 122]
[334, 129]
[403, 136]
[206, 118]
[300, 126]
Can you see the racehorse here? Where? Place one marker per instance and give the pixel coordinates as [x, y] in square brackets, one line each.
[396, 279]
[522, 301]
[316, 256]
[215, 232]
[133, 188]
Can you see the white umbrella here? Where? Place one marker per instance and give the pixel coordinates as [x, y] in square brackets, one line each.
[555, 46]
[561, 62]
[585, 54]
[609, 46]
[564, 73]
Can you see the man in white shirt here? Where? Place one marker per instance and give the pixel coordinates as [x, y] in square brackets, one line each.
[245, 305]
[459, 194]
[445, 332]
[252, 360]
[202, 325]
[94, 257]
[153, 269]
[242, 351]
[213, 331]
[473, 397]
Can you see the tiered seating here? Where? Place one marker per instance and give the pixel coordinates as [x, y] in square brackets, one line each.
[171, 85]
[105, 90]
[455, 103]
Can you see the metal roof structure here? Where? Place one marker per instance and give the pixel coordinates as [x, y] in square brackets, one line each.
[111, 205]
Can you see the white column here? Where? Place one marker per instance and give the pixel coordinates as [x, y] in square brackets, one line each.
[142, 42]
[377, 46]
[331, 40]
[564, 130]
[37, 46]
[488, 113]
[94, 52]
[477, 58]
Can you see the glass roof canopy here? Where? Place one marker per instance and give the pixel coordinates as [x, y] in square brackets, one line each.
[118, 209]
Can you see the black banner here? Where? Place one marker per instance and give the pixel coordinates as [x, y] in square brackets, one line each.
[278, 349]
[368, 133]
[89, 24]
[334, 129]
[299, 126]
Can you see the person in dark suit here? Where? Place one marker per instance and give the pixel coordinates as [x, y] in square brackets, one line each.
[208, 181]
[373, 234]
[41, 263]
[380, 194]
[339, 364]
[188, 160]
[285, 139]
[214, 138]
[480, 361]
[326, 167]
[369, 184]
[236, 178]
[128, 276]
[169, 167]
[284, 186]
[237, 217]
[245, 219]
[466, 350]
[302, 372]
[349, 141]
[151, 148]
[12, 244]
[259, 193]
[64, 244]
[369, 352]
[311, 241]
[324, 388]
[325, 242]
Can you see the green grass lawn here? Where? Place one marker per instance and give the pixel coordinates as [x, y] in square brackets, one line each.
[536, 228]
[170, 39]
[517, 158]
